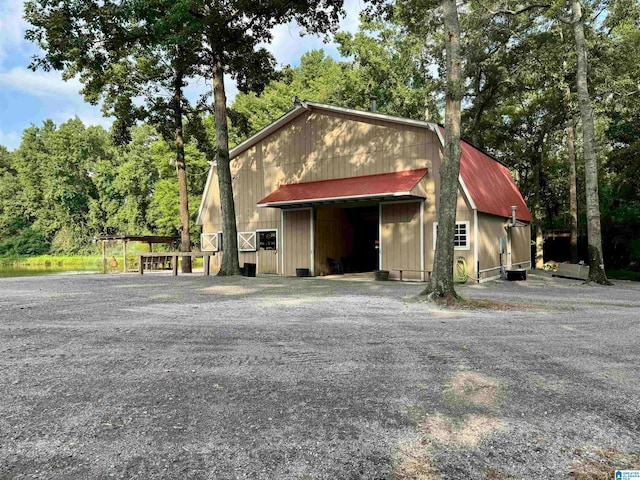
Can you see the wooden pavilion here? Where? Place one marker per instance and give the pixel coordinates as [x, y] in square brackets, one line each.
[148, 239]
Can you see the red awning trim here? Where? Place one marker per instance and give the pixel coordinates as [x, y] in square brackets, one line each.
[395, 184]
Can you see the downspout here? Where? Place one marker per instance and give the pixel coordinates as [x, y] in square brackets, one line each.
[475, 244]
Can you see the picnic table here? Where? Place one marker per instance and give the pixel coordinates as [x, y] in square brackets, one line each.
[148, 260]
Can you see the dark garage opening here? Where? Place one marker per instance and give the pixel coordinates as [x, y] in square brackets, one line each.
[364, 222]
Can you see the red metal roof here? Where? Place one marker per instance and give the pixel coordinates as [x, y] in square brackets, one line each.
[490, 184]
[380, 185]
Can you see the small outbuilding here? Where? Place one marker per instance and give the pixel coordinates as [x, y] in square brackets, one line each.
[330, 189]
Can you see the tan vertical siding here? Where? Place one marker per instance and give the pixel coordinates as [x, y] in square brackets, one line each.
[297, 240]
[333, 238]
[489, 233]
[400, 238]
[491, 229]
[464, 213]
[268, 261]
[321, 145]
[521, 247]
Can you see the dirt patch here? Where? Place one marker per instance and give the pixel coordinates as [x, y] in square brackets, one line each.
[474, 304]
[460, 303]
[491, 473]
[230, 290]
[466, 432]
[472, 388]
[412, 461]
[601, 464]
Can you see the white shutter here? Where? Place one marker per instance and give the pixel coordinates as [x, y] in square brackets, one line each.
[247, 241]
[209, 242]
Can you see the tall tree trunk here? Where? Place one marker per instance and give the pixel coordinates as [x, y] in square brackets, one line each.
[571, 154]
[573, 191]
[185, 239]
[441, 285]
[537, 215]
[594, 235]
[230, 264]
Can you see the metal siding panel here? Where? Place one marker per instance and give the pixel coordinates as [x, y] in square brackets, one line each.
[401, 238]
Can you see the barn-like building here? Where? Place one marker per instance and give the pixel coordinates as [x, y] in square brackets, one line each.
[326, 188]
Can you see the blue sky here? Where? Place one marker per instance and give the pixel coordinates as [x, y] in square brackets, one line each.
[28, 97]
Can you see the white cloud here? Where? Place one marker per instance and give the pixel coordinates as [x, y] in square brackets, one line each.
[11, 140]
[39, 83]
[12, 26]
[288, 46]
[351, 22]
[89, 114]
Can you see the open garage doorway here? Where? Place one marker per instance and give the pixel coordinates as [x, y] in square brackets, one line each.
[347, 239]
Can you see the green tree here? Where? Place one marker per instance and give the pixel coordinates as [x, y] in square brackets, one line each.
[594, 235]
[392, 64]
[318, 78]
[231, 32]
[8, 195]
[125, 50]
[418, 18]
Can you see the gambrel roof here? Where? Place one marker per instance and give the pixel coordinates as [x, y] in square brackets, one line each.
[486, 182]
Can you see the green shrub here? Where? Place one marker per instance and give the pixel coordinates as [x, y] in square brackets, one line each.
[29, 242]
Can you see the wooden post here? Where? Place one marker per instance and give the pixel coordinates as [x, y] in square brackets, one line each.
[124, 255]
[205, 260]
[174, 264]
[140, 264]
[104, 257]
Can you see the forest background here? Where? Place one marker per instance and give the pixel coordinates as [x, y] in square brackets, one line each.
[66, 183]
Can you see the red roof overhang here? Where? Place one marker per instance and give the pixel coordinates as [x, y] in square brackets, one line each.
[380, 186]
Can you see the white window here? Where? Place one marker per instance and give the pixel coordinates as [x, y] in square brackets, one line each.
[209, 242]
[460, 236]
[247, 241]
[267, 239]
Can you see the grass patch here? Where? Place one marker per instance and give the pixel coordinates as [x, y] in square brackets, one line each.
[51, 264]
[601, 464]
[411, 460]
[623, 275]
[473, 304]
[467, 388]
[467, 431]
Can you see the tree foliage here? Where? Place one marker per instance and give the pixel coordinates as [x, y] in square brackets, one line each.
[517, 90]
[65, 184]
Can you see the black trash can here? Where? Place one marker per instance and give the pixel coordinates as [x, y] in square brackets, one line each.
[249, 270]
[303, 272]
[516, 275]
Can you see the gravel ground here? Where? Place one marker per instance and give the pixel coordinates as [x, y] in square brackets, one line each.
[129, 377]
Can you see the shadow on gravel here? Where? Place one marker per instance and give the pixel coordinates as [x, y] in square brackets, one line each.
[122, 376]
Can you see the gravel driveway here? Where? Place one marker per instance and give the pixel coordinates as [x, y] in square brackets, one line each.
[129, 377]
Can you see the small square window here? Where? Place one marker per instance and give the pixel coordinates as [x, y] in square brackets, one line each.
[267, 239]
[460, 236]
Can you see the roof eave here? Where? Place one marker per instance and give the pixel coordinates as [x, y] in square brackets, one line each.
[307, 106]
[292, 203]
[268, 130]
